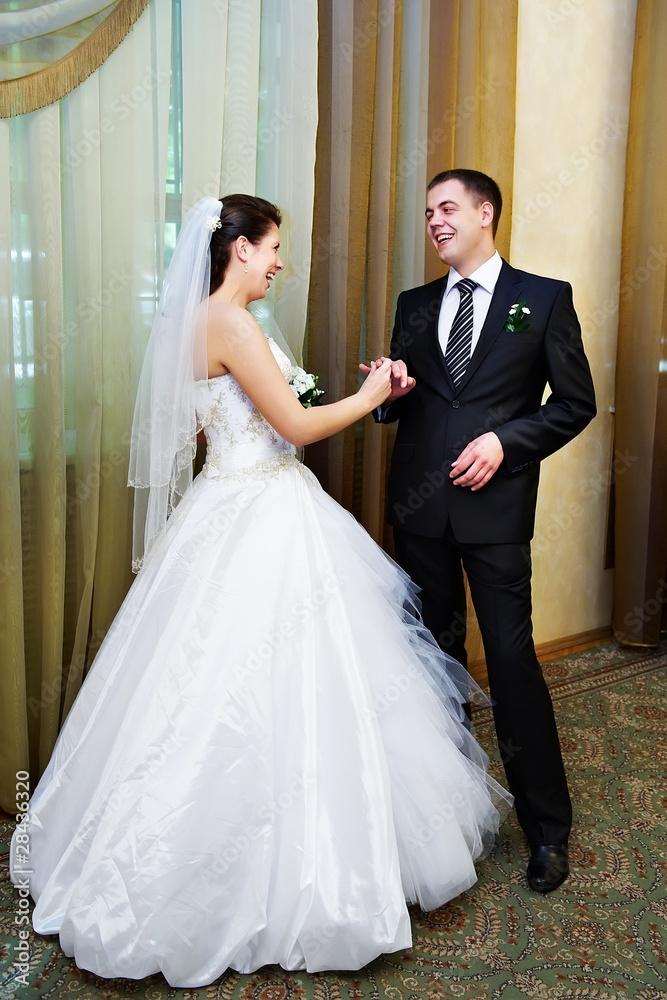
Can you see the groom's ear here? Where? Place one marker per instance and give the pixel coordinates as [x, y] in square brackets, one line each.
[486, 209]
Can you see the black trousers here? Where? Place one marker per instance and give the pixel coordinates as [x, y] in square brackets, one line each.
[499, 578]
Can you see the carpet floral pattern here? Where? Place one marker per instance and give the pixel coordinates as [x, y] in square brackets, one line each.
[602, 936]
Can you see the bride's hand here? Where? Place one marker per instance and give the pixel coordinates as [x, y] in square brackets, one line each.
[377, 385]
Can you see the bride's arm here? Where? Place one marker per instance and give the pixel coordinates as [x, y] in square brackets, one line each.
[237, 343]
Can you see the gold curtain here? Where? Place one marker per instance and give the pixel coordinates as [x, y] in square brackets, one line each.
[472, 98]
[353, 132]
[640, 597]
[13, 752]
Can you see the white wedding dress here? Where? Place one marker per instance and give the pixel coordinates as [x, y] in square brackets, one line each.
[266, 759]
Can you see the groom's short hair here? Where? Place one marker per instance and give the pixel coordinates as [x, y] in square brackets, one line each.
[478, 185]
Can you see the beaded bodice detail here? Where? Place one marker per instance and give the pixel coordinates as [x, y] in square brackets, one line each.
[240, 442]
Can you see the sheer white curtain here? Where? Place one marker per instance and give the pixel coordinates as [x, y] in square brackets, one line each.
[77, 287]
[249, 125]
[82, 229]
[113, 231]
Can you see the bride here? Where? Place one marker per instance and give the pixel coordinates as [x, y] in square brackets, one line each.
[268, 759]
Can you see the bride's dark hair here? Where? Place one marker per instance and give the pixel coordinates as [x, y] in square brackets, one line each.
[242, 215]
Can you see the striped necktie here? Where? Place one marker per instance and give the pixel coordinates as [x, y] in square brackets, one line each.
[459, 342]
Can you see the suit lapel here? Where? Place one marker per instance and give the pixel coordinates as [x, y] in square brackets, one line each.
[504, 297]
[432, 336]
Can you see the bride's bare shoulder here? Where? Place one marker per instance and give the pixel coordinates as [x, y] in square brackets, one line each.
[227, 320]
[232, 336]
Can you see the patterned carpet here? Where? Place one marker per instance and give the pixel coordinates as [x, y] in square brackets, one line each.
[601, 937]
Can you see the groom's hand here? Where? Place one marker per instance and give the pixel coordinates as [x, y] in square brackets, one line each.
[401, 382]
[477, 462]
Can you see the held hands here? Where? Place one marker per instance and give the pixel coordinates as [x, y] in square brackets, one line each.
[377, 386]
[401, 382]
[477, 462]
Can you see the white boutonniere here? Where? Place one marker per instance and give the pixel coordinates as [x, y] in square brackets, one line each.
[304, 386]
[516, 321]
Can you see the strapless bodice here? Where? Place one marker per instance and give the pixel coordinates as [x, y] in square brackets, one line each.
[239, 440]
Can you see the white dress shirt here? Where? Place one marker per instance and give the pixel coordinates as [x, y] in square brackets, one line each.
[486, 277]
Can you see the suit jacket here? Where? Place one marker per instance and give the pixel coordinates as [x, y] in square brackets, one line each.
[502, 391]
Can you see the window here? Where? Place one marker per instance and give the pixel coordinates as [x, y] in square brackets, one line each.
[175, 138]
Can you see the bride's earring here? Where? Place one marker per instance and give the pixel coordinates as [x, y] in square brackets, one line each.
[246, 267]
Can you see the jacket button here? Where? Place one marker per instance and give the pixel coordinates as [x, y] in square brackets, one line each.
[455, 404]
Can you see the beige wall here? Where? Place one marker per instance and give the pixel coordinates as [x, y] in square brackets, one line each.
[574, 66]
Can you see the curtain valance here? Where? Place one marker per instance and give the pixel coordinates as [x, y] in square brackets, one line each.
[48, 49]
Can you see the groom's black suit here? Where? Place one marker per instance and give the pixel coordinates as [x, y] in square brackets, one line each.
[439, 525]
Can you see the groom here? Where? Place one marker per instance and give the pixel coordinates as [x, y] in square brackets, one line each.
[474, 351]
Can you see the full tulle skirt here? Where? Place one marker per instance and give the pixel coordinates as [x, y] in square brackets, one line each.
[268, 758]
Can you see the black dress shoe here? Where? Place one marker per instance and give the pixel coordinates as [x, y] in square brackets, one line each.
[548, 867]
